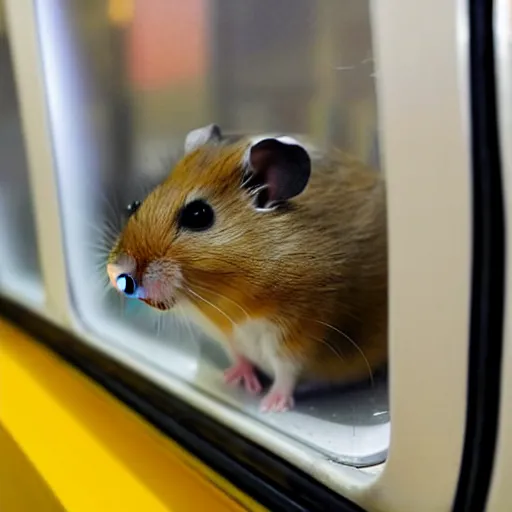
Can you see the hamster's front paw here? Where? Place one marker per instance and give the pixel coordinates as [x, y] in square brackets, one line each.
[243, 372]
[277, 401]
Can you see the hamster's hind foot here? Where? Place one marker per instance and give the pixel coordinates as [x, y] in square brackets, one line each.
[243, 372]
[277, 401]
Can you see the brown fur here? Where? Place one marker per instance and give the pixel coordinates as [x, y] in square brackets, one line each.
[318, 268]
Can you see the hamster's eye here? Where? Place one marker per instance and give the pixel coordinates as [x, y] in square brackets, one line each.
[196, 216]
[133, 207]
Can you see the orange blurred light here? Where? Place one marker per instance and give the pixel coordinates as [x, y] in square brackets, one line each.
[167, 42]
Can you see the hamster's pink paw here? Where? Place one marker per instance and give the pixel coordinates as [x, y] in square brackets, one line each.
[277, 401]
[243, 371]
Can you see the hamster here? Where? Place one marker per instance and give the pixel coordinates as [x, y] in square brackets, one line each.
[278, 251]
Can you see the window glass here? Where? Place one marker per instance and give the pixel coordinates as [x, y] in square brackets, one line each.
[127, 80]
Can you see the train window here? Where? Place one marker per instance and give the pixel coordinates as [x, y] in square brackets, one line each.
[124, 82]
[123, 93]
[19, 265]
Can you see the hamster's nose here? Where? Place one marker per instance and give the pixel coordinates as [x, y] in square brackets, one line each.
[126, 284]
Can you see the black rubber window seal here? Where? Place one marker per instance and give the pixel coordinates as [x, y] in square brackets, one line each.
[488, 268]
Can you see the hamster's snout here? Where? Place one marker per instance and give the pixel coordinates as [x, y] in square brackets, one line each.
[125, 282]
[156, 284]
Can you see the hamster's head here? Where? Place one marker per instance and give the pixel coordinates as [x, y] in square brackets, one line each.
[211, 230]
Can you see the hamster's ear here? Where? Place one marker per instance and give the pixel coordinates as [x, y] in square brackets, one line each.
[201, 136]
[278, 169]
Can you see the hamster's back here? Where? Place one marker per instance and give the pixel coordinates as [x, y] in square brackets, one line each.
[342, 218]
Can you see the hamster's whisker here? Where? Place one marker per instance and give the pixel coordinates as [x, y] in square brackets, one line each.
[182, 318]
[208, 290]
[110, 235]
[178, 318]
[100, 262]
[336, 352]
[211, 304]
[188, 325]
[122, 305]
[354, 344]
[99, 266]
[100, 271]
[105, 288]
[100, 247]
[108, 221]
[156, 322]
[104, 235]
[159, 325]
[113, 209]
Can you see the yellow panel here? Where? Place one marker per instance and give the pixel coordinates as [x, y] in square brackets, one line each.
[94, 452]
[21, 487]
